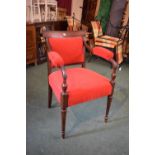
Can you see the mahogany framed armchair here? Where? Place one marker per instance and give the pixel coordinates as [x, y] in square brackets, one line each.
[73, 86]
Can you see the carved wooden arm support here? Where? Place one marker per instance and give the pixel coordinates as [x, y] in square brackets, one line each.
[64, 76]
[56, 61]
[64, 89]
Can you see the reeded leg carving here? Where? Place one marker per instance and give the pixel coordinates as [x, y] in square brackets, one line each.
[64, 113]
[64, 102]
[49, 96]
[63, 121]
[109, 100]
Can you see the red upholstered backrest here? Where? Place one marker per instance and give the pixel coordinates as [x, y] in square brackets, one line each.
[69, 48]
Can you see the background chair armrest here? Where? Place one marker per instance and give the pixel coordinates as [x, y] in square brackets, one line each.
[120, 41]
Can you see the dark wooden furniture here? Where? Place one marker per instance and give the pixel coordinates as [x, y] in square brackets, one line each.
[56, 61]
[88, 12]
[30, 44]
[35, 42]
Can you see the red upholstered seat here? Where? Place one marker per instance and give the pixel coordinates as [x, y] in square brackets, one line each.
[103, 53]
[70, 49]
[83, 85]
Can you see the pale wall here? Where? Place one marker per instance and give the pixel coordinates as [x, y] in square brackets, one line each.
[27, 2]
[76, 4]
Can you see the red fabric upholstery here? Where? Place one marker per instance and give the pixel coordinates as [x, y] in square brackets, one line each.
[56, 59]
[103, 53]
[70, 49]
[83, 85]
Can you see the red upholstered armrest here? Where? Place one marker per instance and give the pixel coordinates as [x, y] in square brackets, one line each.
[55, 59]
[103, 53]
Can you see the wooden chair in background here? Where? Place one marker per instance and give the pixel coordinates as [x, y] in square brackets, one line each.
[115, 44]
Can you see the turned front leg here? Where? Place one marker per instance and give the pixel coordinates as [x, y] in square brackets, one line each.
[64, 102]
[63, 121]
[63, 113]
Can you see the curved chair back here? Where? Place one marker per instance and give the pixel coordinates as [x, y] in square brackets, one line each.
[69, 45]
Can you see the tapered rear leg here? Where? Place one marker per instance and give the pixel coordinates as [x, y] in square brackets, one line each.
[109, 101]
[49, 96]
